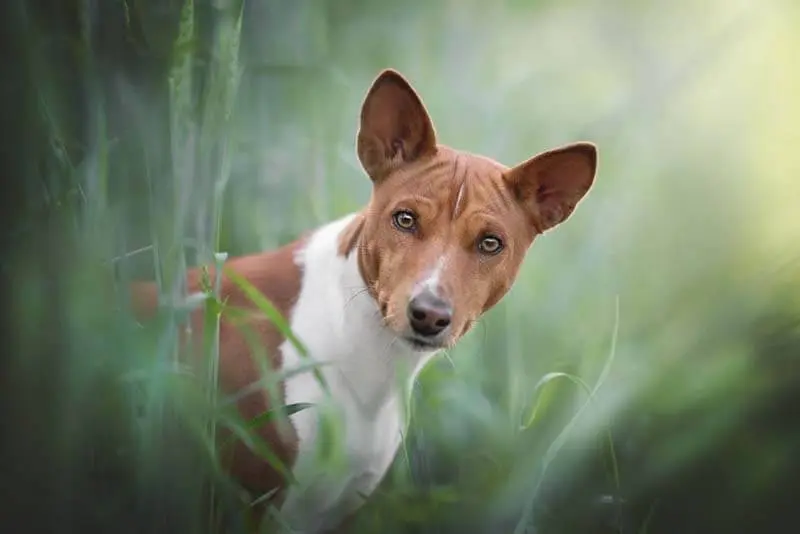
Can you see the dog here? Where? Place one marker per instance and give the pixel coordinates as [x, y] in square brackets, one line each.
[375, 294]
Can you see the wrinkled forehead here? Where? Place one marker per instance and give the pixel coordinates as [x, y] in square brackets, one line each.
[453, 184]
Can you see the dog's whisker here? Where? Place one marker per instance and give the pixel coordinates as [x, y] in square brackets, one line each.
[386, 355]
[446, 354]
[483, 328]
[354, 296]
[388, 318]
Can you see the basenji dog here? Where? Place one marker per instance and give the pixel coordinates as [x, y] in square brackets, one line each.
[375, 294]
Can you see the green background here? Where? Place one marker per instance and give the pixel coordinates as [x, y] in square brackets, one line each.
[183, 129]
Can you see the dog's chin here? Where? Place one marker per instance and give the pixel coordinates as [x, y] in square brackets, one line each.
[419, 344]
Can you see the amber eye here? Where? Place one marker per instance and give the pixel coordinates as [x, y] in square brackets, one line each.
[490, 245]
[405, 220]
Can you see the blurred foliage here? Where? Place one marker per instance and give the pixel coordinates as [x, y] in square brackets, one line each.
[154, 133]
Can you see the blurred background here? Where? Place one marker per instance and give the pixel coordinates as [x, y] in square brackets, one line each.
[641, 376]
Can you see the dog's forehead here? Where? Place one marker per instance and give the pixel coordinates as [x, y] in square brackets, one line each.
[480, 164]
[450, 176]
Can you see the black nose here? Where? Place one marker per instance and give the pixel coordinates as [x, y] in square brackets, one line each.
[428, 314]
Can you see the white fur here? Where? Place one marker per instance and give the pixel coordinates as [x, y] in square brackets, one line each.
[367, 369]
[431, 283]
[458, 198]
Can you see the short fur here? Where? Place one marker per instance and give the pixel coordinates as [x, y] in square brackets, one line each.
[347, 290]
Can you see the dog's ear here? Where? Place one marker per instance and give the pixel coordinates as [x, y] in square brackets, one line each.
[395, 127]
[551, 184]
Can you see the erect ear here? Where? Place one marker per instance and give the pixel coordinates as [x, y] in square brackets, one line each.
[551, 184]
[395, 127]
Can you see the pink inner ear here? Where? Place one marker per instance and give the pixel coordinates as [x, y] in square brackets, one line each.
[547, 193]
[551, 184]
[395, 127]
[542, 191]
[396, 148]
[550, 206]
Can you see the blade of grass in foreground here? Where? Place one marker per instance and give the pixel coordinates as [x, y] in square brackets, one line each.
[211, 320]
[552, 451]
[328, 425]
[271, 312]
[268, 381]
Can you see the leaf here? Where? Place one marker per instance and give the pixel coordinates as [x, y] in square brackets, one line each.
[265, 383]
[543, 399]
[233, 422]
[267, 416]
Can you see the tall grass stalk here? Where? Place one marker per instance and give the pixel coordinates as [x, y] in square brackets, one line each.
[525, 522]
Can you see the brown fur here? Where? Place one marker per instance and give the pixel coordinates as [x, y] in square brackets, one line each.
[458, 199]
[277, 276]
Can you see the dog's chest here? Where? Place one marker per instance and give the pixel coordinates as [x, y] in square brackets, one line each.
[347, 441]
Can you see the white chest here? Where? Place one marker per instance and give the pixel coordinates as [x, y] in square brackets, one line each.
[344, 451]
[349, 439]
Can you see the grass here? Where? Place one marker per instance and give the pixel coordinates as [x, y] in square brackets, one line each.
[506, 434]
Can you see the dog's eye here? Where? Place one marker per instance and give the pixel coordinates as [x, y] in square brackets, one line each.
[405, 220]
[490, 245]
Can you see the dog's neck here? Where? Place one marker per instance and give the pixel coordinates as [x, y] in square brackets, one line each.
[367, 361]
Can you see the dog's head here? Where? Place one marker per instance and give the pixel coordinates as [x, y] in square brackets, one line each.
[444, 234]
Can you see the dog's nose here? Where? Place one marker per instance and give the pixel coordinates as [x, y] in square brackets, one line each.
[428, 314]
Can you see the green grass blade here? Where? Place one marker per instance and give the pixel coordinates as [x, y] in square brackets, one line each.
[275, 316]
[561, 439]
